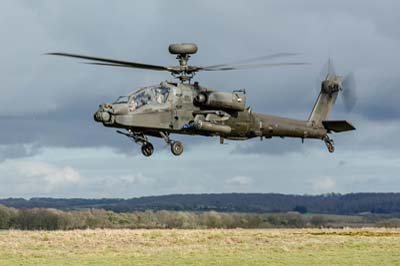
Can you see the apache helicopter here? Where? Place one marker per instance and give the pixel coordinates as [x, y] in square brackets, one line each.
[191, 109]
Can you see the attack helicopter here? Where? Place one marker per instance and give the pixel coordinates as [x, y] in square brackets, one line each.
[189, 108]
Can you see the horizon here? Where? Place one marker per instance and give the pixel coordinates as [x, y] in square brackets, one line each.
[327, 194]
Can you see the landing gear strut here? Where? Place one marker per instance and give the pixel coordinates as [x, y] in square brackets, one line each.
[140, 138]
[147, 147]
[176, 146]
[330, 144]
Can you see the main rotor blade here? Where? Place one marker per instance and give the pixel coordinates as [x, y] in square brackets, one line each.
[105, 64]
[114, 62]
[254, 59]
[253, 66]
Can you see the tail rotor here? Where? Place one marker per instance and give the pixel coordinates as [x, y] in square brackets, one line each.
[347, 84]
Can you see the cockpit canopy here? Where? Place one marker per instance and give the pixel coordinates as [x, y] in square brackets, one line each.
[122, 99]
[157, 94]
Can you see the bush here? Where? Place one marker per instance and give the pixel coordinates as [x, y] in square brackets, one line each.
[390, 223]
[52, 219]
[7, 215]
[318, 221]
[40, 219]
[300, 209]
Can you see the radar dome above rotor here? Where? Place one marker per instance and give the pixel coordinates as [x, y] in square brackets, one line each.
[182, 48]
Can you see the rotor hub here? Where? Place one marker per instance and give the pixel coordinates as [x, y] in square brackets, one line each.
[183, 52]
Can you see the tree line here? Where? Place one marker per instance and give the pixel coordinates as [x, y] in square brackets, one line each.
[344, 204]
[53, 219]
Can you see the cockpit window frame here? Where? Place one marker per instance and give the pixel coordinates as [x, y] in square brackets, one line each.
[119, 100]
[150, 95]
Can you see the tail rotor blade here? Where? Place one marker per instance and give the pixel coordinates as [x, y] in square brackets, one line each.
[327, 70]
[331, 68]
[349, 91]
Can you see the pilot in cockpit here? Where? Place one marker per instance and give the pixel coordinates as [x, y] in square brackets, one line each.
[155, 95]
[161, 94]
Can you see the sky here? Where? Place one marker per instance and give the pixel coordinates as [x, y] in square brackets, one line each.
[50, 146]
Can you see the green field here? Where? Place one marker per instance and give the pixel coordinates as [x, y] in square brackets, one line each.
[201, 247]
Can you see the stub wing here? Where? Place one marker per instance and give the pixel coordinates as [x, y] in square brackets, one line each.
[338, 125]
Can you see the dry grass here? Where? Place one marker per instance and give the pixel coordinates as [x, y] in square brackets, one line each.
[201, 247]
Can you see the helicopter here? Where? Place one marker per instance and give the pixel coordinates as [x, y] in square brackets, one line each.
[189, 108]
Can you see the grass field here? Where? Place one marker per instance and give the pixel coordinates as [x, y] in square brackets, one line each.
[201, 247]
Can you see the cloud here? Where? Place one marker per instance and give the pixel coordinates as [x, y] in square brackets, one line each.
[50, 174]
[25, 177]
[239, 181]
[134, 179]
[323, 184]
[18, 150]
[274, 146]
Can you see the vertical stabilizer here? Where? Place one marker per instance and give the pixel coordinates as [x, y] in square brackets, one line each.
[330, 87]
[325, 102]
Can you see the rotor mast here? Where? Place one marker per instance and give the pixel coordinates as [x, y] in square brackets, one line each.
[183, 51]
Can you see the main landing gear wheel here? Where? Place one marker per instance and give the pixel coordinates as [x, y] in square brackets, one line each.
[139, 138]
[177, 148]
[147, 149]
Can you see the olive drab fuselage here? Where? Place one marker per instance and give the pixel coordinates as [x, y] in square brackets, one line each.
[191, 109]
[194, 110]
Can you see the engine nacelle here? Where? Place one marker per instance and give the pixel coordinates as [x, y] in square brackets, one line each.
[222, 100]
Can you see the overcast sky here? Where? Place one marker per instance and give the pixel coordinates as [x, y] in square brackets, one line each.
[50, 145]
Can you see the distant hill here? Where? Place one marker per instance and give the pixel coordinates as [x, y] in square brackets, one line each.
[354, 203]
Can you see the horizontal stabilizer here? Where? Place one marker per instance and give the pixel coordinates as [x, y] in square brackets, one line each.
[338, 125]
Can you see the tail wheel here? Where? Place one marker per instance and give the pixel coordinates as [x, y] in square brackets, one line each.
[177, 148]
[147, 149]
[331, 148]
[330, 144]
